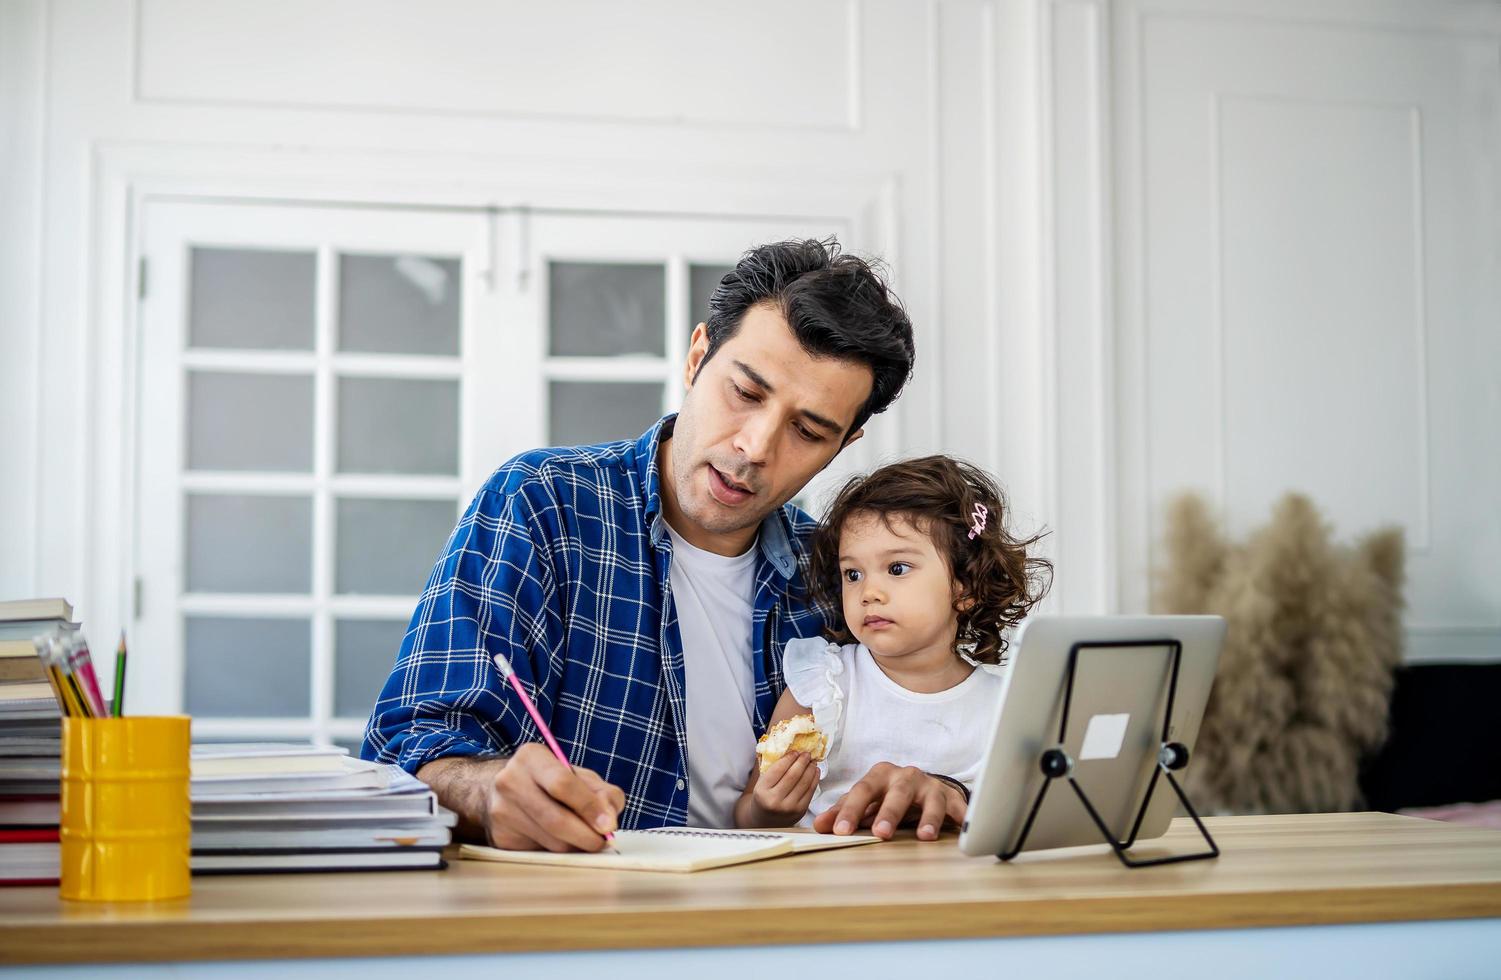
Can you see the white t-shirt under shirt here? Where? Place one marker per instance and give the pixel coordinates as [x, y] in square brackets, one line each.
[715, 598]
[870, 718]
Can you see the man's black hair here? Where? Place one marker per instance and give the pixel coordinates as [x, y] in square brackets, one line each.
[837, 305]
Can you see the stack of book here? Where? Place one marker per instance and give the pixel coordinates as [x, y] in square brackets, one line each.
[30, 742]
[278, 807]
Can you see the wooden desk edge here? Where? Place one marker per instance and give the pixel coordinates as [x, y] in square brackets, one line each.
[455, 935]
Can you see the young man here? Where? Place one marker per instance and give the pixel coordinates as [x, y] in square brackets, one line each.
[644, 590]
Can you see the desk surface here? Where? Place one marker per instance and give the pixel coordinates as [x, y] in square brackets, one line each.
[1290, 870]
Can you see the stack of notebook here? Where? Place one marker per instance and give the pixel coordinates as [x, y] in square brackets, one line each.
[276, 807]
[30, 742]
[30, 749]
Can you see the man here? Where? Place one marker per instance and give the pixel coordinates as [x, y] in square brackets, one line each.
[644, 590]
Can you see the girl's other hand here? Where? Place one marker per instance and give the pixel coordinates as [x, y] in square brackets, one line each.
[785, 790]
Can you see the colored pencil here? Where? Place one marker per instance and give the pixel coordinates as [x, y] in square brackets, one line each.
[82, 664]
[504, 666]
[53, 677]
[118, 708]
[50, 650]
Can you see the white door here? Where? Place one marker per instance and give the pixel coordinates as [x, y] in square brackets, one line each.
[323, 390]
[309, 382]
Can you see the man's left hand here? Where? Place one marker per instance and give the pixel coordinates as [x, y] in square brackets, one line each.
[890, 795]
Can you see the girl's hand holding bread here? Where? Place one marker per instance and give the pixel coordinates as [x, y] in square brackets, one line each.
[782, 793]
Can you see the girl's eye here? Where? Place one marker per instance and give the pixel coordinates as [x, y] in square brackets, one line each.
[851, 575]
[899, 568]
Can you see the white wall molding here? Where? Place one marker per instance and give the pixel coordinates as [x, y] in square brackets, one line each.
[1014, 348]
[1420, 536]
[509, 60]
[24, 33]
[1080, 301]
[1361, 153]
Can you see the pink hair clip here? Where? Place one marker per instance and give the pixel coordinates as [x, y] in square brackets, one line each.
[981, 513]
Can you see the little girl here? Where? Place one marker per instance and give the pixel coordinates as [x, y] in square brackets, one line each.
[922, 578]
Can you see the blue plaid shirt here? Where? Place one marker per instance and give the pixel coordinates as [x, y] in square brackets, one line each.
[561, 563]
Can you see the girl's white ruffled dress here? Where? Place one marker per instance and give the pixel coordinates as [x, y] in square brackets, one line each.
[870, 718]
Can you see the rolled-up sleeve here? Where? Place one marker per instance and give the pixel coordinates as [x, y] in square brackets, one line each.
[492, 591]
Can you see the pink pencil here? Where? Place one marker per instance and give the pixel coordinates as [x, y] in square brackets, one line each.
[82, 664]
[504, 666]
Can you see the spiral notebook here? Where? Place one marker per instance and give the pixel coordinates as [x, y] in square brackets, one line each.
[676, 849]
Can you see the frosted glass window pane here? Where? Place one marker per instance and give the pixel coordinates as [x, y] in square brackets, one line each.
[599, 310]
[387, 547]
[252, 298]
[702, 281]
[399, 304]
[250, 421]
[364, 653]
[247, 668]
[398, 425]
[584, 412]
[249, 544]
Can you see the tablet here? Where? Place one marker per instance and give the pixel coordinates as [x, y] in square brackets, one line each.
[1123, 669]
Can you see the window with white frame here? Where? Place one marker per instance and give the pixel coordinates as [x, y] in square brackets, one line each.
[324, 388]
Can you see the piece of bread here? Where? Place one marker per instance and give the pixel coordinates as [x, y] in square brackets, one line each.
[796, 734]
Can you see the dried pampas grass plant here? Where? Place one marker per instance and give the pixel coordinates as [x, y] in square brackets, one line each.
[1305, 680]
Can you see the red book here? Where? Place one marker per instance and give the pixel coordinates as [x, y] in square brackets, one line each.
[40, 835]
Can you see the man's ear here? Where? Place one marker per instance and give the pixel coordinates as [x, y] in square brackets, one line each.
[854, 436]
[698, 348]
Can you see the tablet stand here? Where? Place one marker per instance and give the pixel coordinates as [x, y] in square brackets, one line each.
[1056, 764]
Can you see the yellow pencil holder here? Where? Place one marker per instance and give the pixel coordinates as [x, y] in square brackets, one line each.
[126, 819]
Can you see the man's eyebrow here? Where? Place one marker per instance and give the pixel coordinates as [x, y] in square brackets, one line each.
[765, 385]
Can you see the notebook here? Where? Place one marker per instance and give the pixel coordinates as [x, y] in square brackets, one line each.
[314, 835]
[25, 691]
[282, 862]
[262, 758]
[348, 774]
[678, 849]
[29, 857]
[22, 610]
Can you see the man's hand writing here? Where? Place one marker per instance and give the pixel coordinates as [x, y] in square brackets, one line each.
[535, 801]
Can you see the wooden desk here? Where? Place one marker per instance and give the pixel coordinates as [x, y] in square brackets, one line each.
[1275, 871]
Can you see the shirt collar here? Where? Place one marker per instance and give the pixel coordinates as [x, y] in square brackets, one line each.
[775, 539]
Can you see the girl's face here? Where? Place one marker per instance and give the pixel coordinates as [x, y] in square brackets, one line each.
[898, 592]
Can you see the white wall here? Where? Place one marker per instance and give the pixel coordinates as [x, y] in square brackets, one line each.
[1002, 154]
[1310, 239]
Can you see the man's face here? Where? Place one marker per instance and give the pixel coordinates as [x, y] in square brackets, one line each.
[760, 419]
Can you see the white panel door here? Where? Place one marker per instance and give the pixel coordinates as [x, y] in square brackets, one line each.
[1310, 296]
[323, 390]
[312, 382]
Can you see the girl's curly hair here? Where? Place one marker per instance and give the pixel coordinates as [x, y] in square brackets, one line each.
[938, 495]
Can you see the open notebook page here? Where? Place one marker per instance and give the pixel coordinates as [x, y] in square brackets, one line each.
[675, 849]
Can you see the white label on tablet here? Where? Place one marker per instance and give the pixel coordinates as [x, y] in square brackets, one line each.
[1103, 737]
